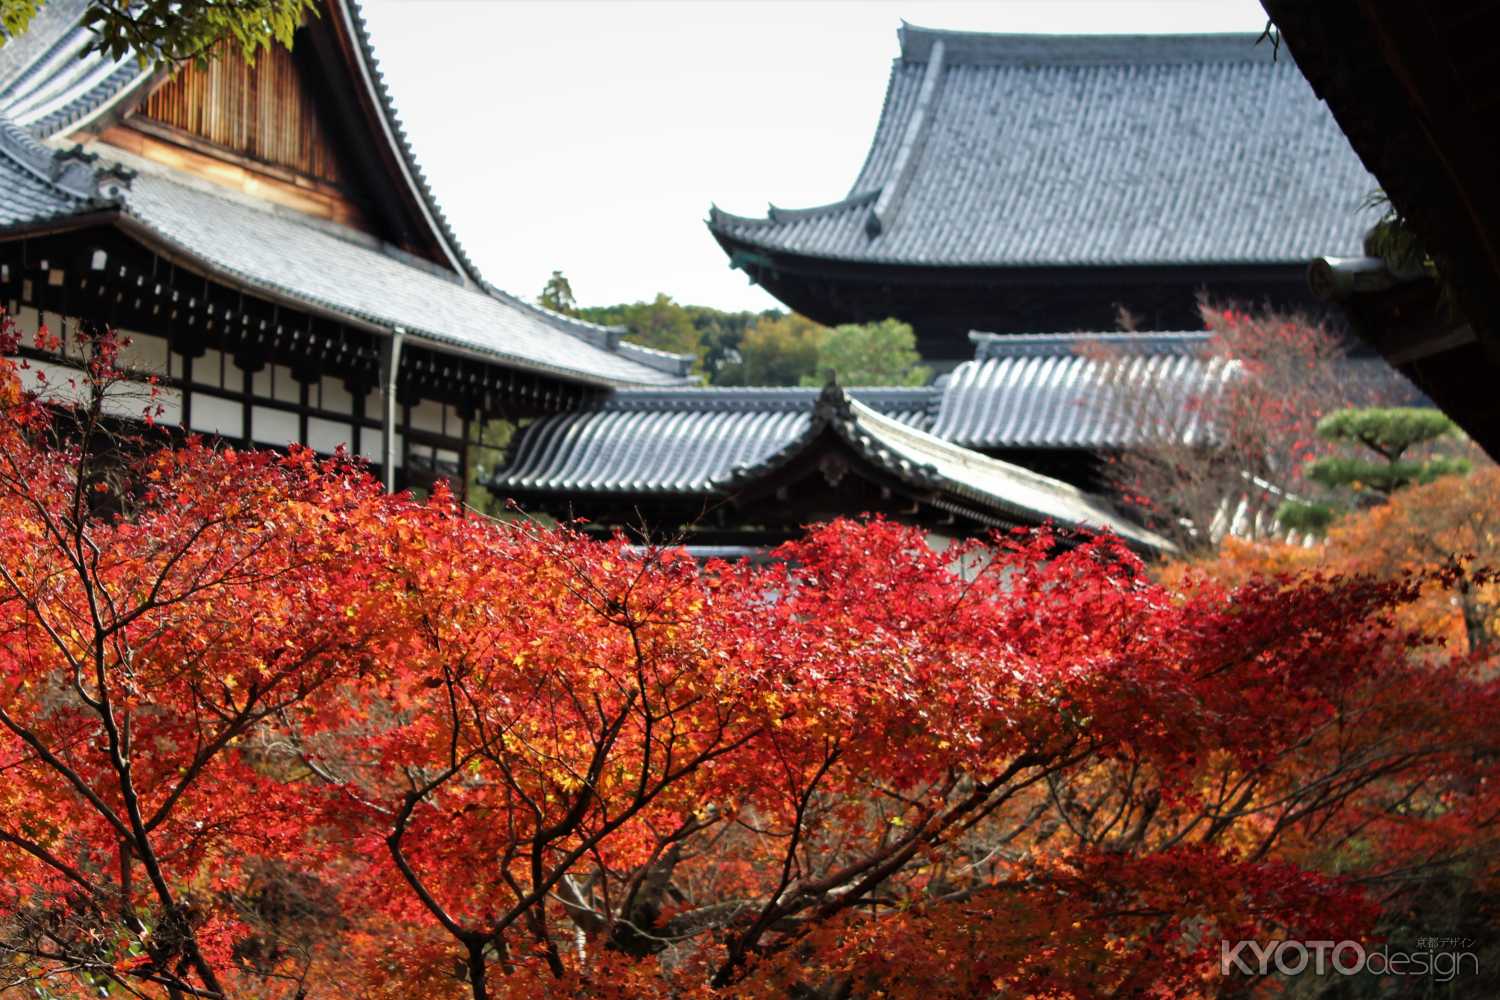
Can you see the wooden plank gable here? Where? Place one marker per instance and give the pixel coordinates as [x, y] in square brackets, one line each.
[263, 112]
[311, 129]
[260, 128]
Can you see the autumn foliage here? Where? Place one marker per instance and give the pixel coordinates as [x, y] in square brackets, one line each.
[1218, 453]
[267, 732]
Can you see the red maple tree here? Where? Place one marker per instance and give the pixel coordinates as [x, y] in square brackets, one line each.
[266, 731]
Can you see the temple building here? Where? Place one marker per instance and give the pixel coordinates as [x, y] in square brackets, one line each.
[1042, 183]
[1017, 435]
[749, 468]
[1022, 432]
[1414, 89]
[263, 235]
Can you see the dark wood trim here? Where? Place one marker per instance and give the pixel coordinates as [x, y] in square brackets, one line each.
[944, 303]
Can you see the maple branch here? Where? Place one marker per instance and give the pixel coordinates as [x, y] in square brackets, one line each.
[52, 861]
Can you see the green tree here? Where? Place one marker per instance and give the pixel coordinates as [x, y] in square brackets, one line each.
[486, 453]
[779, 350]
[883, 353]
[722, 333]
[664, 325]
[557, 295]
[661, 323]
[1390, 434]
[174, 32]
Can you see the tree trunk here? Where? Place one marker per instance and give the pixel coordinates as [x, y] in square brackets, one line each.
[476, 971]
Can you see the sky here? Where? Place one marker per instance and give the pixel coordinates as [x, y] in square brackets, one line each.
[592, 137]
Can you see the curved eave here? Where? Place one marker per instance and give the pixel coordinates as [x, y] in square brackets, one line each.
[599, 335]
[174, 252]
[66, 123]
[381, 110]
[720, 221]
[799, 260]
[877, 438]
[921, 483]
[842, 431]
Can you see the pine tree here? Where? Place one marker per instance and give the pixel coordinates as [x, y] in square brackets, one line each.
[1390, 433]
[557, 295]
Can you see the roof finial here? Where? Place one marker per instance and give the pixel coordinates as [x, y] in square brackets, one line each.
[833, 402]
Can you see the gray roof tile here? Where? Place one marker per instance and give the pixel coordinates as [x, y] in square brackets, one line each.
[1066, 390]
[1089, 151]
[1034, 391]
[284, 253]
[713, 442]
[317, 265]
[48, 87]
[36, 184]
[676, 440]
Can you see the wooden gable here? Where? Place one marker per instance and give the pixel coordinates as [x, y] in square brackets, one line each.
[259, 128]
[309, 129]
[262, 112]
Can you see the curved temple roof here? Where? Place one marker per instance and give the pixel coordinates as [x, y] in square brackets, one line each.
[1027, 393]
[1042, 150]
[1092, 390]
[47, 90]
[1076, 390]
[677, 440]
[712, 443]
[1037, 391]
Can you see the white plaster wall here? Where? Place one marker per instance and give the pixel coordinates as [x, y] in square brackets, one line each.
[325, 436]
[212, 415]
[273, 427]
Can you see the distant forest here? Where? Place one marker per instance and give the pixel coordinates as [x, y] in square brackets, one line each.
[772, 347]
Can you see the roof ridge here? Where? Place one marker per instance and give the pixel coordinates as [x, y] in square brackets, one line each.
[606, 337]
[775, 214]
[982, 48]
[71, 172]
[652, 357]
[52, 83]
[731, 399]
[988, 346]
[918, 125]
[603, 337]
[881, 429]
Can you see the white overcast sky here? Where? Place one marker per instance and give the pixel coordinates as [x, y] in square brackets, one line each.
[593, 136]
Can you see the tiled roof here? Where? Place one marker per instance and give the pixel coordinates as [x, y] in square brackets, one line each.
[36, 184]
[1035, 150]
[319, 266]
[1078, 390]
[369, 67]
[285, 255]
[49, 86]
[1036, 391]
[676, 440]
[716, 442]
[1088, 390]
[282, 254]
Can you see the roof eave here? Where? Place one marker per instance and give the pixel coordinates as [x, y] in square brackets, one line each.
[355, 41]
[173, 252]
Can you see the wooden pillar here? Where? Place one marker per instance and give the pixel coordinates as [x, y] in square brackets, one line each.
[463, 461]
[247, 397]
[187, 387]
[304, 402]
